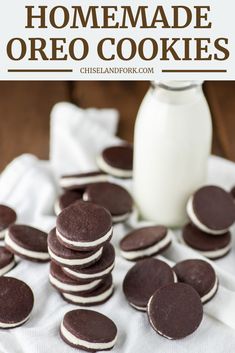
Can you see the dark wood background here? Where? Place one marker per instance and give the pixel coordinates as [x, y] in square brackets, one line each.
[25, 110]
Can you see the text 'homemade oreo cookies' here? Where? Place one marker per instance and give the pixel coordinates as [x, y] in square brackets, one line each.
[7, 217]
[113, 197]
[27, 242]
[212, 210]
[76, 181]
[117, 161]
[200, 275]
[88, 330]
[143, 279]
[84, 226]
[175, 311]
[145, 242]
[7, 261]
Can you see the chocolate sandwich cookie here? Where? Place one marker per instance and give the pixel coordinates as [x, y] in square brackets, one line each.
[212, 247]
[27, 242]
[77, 181]
[67, 199]
[84, 226]
[113, 197]
[200, 275]
[175, 311]
[88, 330]
[68, 257]
[7, 261]
[66, 284]
[98, 270]
[16, 302]
[143, 279]
[98, 296]
[145, 242]
[7, 218]
[117, 161]
[212, 210]
[232, 192]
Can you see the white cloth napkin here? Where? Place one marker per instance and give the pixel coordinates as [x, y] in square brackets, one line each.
[30, 186]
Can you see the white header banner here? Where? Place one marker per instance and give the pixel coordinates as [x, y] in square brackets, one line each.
[117, 40]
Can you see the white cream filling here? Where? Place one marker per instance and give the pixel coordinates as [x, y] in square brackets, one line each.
[82, 343]
[5, 325]
[131, 255]
[72, 287]
[211, 293]
[197, 223]
[89, 300]
[119, 173]
[25, 252]
[3, 233]
[7, 268]
[91, 275]
[86, 244]
[75, 262]
[71, 181]
[57, 208]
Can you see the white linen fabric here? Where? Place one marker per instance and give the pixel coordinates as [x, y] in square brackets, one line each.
[30, 186]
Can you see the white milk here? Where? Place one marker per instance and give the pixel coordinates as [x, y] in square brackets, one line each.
[172, 142]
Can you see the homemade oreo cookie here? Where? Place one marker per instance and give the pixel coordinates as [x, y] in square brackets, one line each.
[27, 242]
[76, 181]
[69, 257]
[200, 275]
[88, 330]
[117, 161]
[175, 311]
[84, 226]
[145, 242]
[67, 199]
[212, 247]
[16, 302]
[143, 279]
[7, 261]
[212, 210]
[7, 218]
[113, 197]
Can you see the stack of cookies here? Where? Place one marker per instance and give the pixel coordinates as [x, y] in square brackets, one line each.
[212, 212]
[81, 253]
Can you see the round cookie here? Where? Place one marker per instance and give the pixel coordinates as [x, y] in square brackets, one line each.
[232, 192]
[98, 270]
[66, 284]
[7, 217]
[175, 311]
[212, 210]
[27, 242]
[84, 226]
[16, 302]
[7, 261]
[117, 161]
[98, 296]
[145, 242]
[76, 181]
[88, 330]
[69, 257]
[67, 199]
[143, 279]
[209, 246]
[113, 197]
[200, 275]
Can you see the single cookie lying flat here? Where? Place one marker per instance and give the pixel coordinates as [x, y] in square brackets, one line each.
[7, 261]
[16, 302]
[88, 330]
[76, 181]
[212, 210]
[145, 242]
[27, 242]
[7, 217]
[69, 257]
[67, 199]
[84, 226]
[213, 247]
[200, 275]
[113, 197]
[175, 311]
[143, 279]
[117, 161]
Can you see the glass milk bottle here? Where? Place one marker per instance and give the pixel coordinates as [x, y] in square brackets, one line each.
[172, 142]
